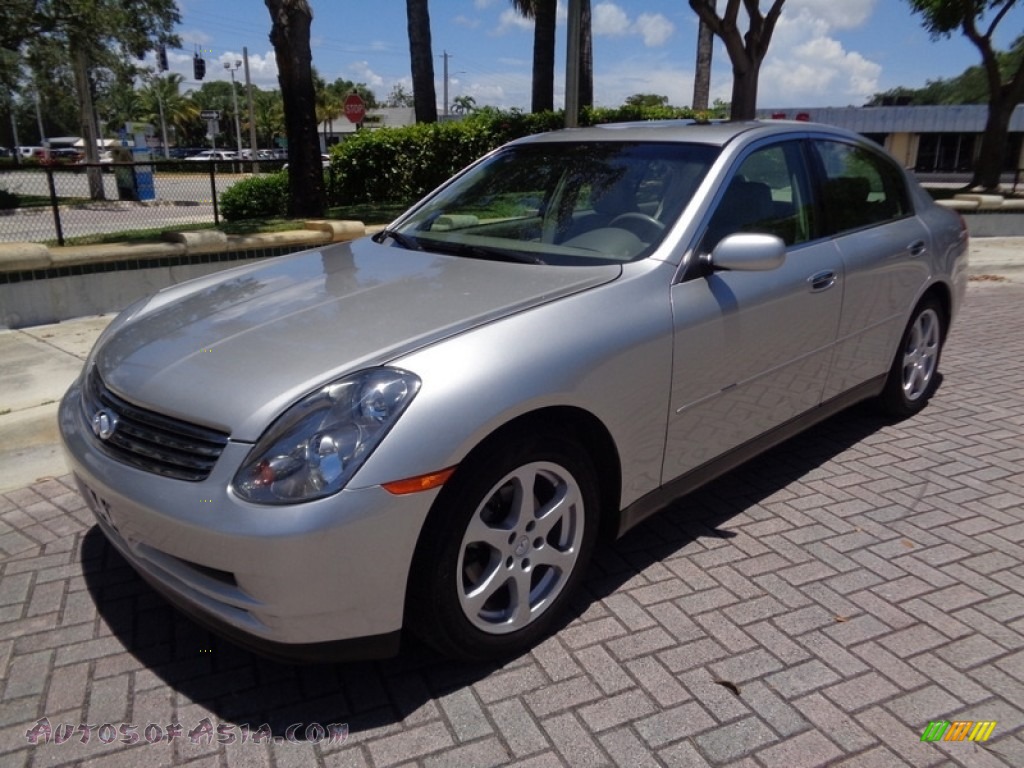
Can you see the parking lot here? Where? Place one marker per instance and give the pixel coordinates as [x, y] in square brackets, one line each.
[821, 605]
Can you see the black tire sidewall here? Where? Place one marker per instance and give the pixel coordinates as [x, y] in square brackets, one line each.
[435, 613]
[894, 400]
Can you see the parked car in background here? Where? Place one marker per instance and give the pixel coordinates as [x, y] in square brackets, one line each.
[214, 154]
[430, 429]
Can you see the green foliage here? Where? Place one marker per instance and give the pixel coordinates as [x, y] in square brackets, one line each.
[257, 197]
[969, 87]
[403, 164]
[647, 100]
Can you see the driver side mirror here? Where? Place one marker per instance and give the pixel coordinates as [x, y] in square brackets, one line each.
[747, 252]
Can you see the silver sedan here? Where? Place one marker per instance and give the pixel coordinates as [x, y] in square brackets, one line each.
[431, 429]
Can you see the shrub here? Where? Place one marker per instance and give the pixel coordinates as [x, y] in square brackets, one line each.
[258, 197]
[403, 164]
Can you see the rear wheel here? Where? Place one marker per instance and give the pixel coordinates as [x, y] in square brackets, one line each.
[913, 376]
[505, 548]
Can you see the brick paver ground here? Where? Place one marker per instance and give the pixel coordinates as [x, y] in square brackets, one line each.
[819, 606]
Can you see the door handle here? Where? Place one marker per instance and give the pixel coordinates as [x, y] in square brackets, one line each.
[916, 248]
[822, 281]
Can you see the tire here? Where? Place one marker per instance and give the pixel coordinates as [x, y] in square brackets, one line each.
[504, 548]
[914, 375]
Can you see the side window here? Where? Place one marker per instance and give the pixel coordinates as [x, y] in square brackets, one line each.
[861, 187]
[768, 194]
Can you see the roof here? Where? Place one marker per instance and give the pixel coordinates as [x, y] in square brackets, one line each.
[954, 118]
[715, 133]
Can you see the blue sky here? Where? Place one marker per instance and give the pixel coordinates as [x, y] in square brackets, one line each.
[824, 52]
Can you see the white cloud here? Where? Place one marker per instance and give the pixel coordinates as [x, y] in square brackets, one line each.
[848, 14]
[360, 72]
[511, 20]
[654, 28]
[808, 66]
[609, 20]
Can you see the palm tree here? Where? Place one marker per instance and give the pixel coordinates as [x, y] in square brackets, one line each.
[163, 94]
[269, 116]
[705, 49]
[329, 104]
[289, 34]
[586, 97]
[422, 57]
[463, 105]
[543, 14]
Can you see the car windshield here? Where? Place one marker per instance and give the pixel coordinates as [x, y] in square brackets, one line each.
[561, 203]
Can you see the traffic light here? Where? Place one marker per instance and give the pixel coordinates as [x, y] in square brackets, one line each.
[161, 58]
[198, 67]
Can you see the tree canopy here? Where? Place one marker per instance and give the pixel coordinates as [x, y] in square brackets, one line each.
[978, 20]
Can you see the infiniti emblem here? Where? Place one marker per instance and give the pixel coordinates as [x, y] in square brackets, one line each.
[104, 423]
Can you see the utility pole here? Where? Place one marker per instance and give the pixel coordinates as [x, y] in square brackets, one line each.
[234, 100]
[445, 56]
[252, 112]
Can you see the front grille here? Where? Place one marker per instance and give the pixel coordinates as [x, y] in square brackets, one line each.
[151, 441]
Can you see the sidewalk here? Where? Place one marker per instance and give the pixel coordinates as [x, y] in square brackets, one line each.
[39, 363]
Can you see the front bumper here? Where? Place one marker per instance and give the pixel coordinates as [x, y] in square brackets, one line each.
[320, 580]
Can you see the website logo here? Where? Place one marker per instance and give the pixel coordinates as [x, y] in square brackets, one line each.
[958, 730]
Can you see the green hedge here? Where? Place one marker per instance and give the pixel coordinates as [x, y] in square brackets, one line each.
[258, 197]
[403, 164]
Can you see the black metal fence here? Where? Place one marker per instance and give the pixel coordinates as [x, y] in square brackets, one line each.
[56, 203]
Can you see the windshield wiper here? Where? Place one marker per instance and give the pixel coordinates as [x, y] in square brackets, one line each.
[403, 240]
[484, 252]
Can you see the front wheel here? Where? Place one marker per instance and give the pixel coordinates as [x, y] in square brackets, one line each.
[505, 548]
[913, 376]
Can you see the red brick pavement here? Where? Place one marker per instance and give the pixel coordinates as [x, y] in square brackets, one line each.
[819, 606]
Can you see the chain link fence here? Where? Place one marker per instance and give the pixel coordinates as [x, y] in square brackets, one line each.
[58, 203]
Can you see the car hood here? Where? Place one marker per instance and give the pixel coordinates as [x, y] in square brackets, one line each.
[234, 349]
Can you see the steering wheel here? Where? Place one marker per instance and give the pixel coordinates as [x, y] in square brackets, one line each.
[647, 228]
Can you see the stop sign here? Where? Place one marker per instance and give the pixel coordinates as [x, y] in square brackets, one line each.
[355, 109]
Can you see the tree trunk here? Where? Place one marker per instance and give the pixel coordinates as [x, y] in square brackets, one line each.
[744, 92]
[586, 57]
[544, 24]
[1003, 97]
[422, 58]
[87, 113]
[746, 51]
[702, 76]
[289, 34]
[992, 153]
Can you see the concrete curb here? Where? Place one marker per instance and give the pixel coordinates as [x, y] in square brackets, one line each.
[26, 257]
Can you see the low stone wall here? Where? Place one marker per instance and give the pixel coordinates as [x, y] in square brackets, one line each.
[39, 284]
[989, 215]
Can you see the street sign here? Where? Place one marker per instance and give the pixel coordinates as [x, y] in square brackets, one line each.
[355, 109]
[210, 114]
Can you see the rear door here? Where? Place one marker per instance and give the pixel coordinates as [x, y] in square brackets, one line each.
[867, 208]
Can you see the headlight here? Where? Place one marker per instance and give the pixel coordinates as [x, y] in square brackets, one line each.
[316, 446]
